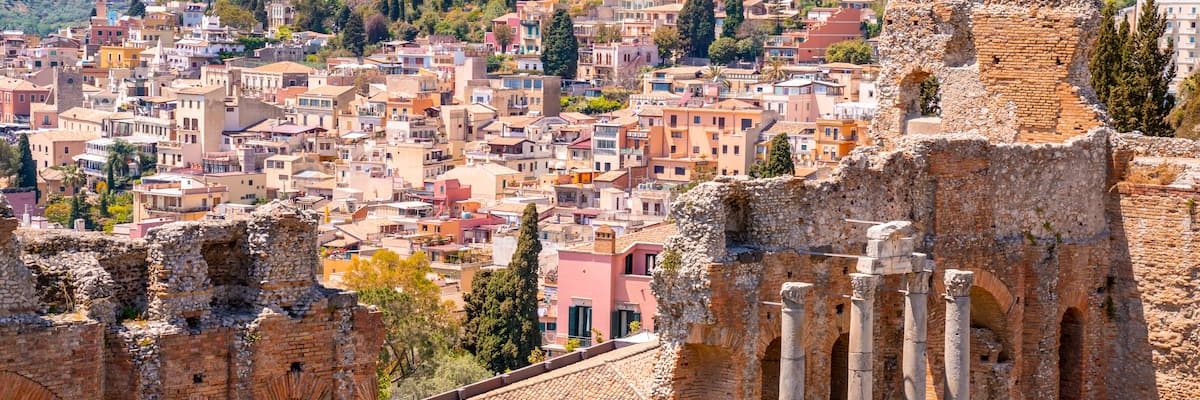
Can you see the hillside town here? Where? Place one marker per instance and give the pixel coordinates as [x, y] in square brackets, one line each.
[481, 190]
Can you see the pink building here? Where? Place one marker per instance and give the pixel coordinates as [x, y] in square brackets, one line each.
[605, 285]
[510, 21]
[446, 195]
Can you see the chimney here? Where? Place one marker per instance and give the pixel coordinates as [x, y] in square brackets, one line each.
[606, 240]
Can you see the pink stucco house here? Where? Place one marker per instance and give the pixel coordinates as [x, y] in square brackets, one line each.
[605, 285]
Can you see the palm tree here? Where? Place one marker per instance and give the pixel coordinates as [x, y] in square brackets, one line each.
[773, 71]
[715, 73]
[120, 153]
[71, 176]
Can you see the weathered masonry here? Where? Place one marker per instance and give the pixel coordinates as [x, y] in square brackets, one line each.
[197, 310]
[1085, 273]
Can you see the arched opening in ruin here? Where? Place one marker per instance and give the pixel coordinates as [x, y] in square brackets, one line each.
[839, 368]
[988, 314]
[919, 99]
[1070, 356]
[13, 386]
[770, 371]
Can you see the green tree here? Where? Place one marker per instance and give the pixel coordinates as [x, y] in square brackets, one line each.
[697, 27]
[384, 7]
[669, 44]
[502, 306]
[748, 49]
[607, 34]
[734, 15]
[1186, 115]
[311, 15]
[723, 50]
[354, 35]
[504, 38]
[560, 48]
[343, 16]
[419, 324]
[58, 209]
[779, 159]
[28, 175]
[773, 70]
[1141, 101]
[120, 154]
[79, 209]
[396, 10]
[931, 97]
[854, 51]
[136, 8]
[446, 372]
[72, 177]
[234, 15]
[1105, 64]
[10, 161]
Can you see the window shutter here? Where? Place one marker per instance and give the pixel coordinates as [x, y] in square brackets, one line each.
[615, 331]
[573, 321]
[629, 264]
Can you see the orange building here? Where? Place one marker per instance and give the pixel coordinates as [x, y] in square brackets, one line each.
[835, 138]
[725, 133]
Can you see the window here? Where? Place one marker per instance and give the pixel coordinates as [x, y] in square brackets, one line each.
[714, 151]
[579, 321]
[695, 149]
[736, 149]
[629, 264]
[621, 320]
[680, 171]
[696, 120]
[658, 169]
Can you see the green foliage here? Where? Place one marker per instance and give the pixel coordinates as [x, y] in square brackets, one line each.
[669, 43]
[723, 50]
[354, 35]
[748, 49]
[498, 62]
[734, 15]
[601, 105]
[697, 26]
[1186, 116]
[136, 8]
[79, 209]
[419, 324]
[607, 34]
[854, 51]
[560, 48]
[58, 210]
[234, 15]
[1138, 99]
[27, 176]
[501, 308]
[10, 160]
[931, 96]
[447, 371]
[1105, 64]
[635, 327]
[871, 29]
[43, 17]
[779, 159]
[572, 344]
[311, 15]
[504, 38]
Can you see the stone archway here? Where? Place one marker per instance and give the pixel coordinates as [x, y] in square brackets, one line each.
[17, 387]
[1070, 356]
[770, 371]
[839, 368]
[296, 385]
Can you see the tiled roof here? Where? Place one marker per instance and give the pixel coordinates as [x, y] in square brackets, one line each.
[624, 373]
[328, 90]
[284, 67]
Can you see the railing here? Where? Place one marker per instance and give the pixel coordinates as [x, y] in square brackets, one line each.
[176, 209]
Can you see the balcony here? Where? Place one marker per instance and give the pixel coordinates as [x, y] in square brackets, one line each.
[170, 144]
[176, 209]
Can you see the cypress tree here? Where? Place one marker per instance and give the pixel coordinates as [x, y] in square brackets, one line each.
[1105, 64]
[136, 8]
[354, 35]
[502, 306]
[734, 15]
[385, 7]
[697, 27]
[28, 172]
[1140, 100]
[343, 16]
[779, 158]
[396, 10]
[560, 48]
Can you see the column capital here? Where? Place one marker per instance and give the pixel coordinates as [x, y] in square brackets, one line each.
[863, 286]
[918, 282]
[958, 282]
[793, 293]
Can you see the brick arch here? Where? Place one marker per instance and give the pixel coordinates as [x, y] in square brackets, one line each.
[296, 385]
[988, 282]
[18, 387]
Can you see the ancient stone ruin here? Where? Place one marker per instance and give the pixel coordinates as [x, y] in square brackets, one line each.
[1084, 273]
[197, 310]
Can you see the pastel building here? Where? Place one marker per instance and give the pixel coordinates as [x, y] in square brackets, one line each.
[605, 285]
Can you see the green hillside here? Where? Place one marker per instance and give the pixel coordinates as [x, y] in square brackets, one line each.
[45, 16]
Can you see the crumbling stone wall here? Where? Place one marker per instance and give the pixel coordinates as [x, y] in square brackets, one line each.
[1009, 70]
[211, 309]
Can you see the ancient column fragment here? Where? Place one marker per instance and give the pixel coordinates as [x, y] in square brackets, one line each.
[916, 317]
[958, 334]
[791, 358]
[862, 325]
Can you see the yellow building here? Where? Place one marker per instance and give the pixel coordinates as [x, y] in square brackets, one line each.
[118, 56]
[835, 138]
[181, 199]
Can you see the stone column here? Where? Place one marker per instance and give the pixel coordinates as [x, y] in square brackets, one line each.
[916, 317]
[791, 358]
[958, 334]
[862, 325]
